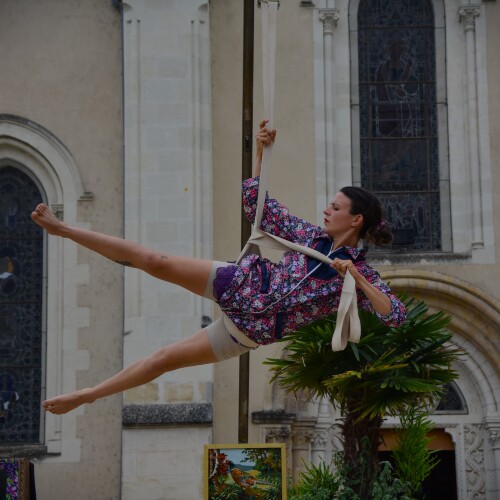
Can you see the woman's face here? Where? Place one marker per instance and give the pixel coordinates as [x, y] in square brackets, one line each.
[338, 218]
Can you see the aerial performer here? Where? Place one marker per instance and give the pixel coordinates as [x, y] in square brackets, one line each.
[261, 301]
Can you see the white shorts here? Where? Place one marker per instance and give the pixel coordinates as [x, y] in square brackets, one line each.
[225, 339]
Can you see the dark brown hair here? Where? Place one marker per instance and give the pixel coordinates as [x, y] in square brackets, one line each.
[375, 229]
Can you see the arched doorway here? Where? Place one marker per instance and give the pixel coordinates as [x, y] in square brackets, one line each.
[442, 481]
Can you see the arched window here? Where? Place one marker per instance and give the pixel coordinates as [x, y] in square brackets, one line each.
[402, 109]
[21, 308]
[452, 400]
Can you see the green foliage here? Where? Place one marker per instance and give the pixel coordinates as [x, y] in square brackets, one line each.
[387, 486]
[323, 482]
[317, 483]
[230, 492]
[389, 368]
[414, 462]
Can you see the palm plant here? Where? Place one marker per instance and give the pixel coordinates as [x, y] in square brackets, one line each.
[386, 371]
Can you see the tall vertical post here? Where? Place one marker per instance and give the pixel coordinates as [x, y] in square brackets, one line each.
[247, 160]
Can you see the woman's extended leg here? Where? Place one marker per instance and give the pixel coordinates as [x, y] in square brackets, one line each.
[195, 350]
[187, 272]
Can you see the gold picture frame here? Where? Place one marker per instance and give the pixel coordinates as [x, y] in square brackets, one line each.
[238, 470]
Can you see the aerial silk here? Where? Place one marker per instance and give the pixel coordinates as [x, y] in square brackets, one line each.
[348, 327]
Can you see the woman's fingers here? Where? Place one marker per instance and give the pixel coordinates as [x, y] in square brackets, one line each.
[342, 265]
[266, 136]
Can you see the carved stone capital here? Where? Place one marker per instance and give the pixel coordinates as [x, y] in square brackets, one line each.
[467, 15]
[302, 437]
[58, 210]
[494, 435]
[493, 428]
[277, 434]
[319, 440]
[330, 18]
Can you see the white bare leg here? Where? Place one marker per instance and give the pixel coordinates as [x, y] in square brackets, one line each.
[187, 272]
[192, 351]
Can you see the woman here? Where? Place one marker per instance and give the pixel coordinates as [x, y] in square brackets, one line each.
[261, 300]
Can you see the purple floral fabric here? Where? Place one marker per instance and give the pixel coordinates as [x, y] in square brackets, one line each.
[11, 467]
[267, 300]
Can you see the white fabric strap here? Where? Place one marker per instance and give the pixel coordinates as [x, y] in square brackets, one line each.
[348, 325]
[268, 18]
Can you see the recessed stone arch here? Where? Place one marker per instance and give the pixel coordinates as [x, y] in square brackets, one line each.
[475, 315]
[38, 153]
[44, 157]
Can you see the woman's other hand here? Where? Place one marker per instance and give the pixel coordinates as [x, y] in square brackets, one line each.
[264, 137]
[342, 265]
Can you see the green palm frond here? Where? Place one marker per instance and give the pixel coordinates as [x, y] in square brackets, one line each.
[387, 369]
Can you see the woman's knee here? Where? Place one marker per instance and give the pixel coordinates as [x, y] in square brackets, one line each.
[154, 263]
[193, 351]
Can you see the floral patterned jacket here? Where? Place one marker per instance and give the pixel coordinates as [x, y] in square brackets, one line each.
[267, 300]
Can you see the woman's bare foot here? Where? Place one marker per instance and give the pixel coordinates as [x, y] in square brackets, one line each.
[67, 402]
[46, 219]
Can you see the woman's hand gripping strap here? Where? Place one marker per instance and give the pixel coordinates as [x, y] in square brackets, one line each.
[348, 327]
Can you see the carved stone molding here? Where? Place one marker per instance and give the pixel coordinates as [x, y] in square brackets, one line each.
[277, 434]
[58, 210]
[302, 437]
[494, 436]
[279, 416]
[493, 428]
[474, 460]
[467, 15]
[319, 440]
[330, 18]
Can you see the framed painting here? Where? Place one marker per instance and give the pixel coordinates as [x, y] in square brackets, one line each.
[245, 471]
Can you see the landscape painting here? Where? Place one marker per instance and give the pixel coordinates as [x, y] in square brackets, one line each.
[254, 471]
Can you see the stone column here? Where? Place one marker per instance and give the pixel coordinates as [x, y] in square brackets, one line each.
[330, 19]
[493, 428]
[457, 435]
[321, 432]
[467, 15]
[302, 436]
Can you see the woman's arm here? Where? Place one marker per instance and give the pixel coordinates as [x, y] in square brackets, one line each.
[389, 308]
[276, 219]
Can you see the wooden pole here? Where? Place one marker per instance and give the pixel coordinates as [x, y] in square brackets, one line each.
[247, 160]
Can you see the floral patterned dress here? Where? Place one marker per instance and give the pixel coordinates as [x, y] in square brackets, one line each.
[266, 300]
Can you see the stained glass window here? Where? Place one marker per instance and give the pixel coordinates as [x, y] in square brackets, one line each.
[21, 270]
[398, 117]
[452, 400]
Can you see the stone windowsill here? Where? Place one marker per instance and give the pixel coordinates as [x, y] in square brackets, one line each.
[167, 414]
[382, 259]
[28, 451]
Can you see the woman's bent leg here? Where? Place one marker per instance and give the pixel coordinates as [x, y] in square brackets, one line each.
[187, 272]
[195, 350]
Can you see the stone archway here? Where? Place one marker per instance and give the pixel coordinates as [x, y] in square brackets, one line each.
[472, 309]
[475, 316]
